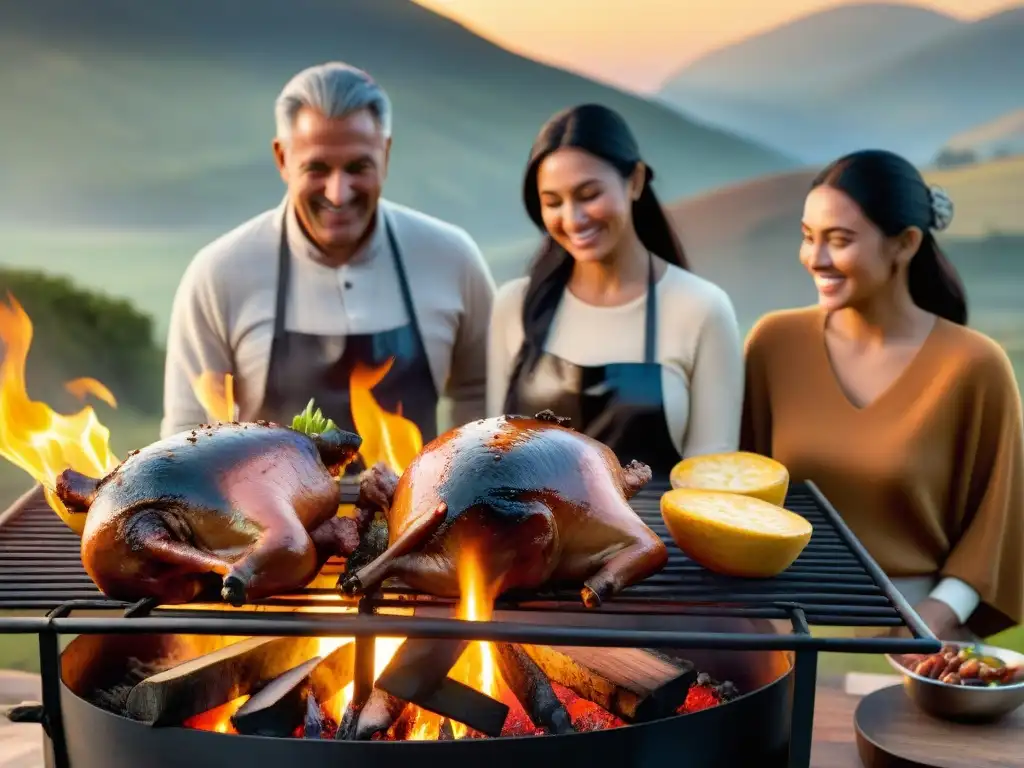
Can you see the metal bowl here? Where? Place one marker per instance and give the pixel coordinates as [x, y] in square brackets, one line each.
[961, 703]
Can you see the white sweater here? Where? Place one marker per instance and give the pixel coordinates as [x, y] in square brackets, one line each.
[222, 319]
[699, 347]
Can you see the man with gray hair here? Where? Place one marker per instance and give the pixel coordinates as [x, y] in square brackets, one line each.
[334, 283]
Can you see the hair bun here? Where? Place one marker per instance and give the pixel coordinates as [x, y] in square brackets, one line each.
[942, 208]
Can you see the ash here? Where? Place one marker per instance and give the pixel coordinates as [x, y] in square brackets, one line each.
[115, 698]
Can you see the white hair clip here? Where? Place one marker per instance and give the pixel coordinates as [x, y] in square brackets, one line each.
[942, 208]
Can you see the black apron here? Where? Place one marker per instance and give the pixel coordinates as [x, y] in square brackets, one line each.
[620, 404]
[304, 366]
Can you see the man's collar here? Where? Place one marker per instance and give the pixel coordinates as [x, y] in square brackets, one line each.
[302, 246]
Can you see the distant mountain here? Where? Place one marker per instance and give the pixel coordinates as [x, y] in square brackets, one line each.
[811, 52]
[123, 113]
[938, 77]
[973, 75]
[1003, 137]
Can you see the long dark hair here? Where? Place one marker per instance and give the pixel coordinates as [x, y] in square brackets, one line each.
[892, 193]
[601, 132]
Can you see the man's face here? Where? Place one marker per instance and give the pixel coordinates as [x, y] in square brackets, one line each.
[335, 169]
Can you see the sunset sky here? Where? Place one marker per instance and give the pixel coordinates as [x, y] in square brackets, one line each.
[638, 43]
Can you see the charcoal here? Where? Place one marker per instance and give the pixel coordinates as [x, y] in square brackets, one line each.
[313, 725]
[532, 688]
[634, 684]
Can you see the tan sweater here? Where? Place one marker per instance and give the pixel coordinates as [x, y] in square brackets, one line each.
[223, 314]
[929, 476]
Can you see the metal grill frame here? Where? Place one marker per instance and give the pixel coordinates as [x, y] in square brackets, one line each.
[831, 604]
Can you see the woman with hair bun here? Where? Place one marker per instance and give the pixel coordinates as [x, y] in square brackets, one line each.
[610, 329]
[908, 421]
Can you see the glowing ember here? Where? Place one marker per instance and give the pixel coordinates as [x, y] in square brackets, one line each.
[217, 719]
[699, 697]
[216, 393]
[387, 437]
[36, 438]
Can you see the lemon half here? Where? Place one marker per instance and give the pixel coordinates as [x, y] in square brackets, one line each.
[749, 474]
[732, 534]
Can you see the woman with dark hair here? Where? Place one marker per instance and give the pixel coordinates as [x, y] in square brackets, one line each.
[908, 421]
[610, 329]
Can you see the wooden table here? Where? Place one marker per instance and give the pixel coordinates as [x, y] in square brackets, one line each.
[834, 742]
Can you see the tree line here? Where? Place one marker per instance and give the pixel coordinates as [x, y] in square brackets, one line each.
[78, 332]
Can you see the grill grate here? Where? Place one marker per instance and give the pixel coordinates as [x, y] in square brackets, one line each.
[834, 582]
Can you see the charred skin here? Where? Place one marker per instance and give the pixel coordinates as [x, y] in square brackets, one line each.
[249, 509]
[533, 500]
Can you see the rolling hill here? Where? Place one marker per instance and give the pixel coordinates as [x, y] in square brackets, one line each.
[934, 78]
[1001, 137]
[746, 236]
[160, 114]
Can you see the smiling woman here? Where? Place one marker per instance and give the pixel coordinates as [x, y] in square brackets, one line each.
[610, 329]
[906, 419]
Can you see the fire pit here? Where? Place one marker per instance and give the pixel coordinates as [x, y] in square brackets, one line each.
[685, 666]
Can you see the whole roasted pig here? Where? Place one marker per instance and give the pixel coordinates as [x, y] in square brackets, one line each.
[529, 499]
[249, 509]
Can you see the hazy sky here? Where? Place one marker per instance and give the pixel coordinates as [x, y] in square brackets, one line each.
[638, 43]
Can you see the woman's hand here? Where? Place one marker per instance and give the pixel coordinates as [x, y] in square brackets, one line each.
[941, 620]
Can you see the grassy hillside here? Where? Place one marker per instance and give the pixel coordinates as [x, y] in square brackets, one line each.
[934, 79]
[1002, 137]
[159, 115]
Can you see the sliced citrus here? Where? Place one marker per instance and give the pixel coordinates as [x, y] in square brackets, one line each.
[749, 474]
[732, 534]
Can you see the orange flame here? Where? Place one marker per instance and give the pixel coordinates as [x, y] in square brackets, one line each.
[387, 437]
[82, 388]
[476, 667]
[36, 438]
[217, 396]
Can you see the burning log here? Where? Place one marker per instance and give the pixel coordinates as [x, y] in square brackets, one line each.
[377, 715]
[199, 685]
[635, 684]
[270, 712]
[450, 699]
[418, 668]
[446, 732]
[533, 690]
[280, 707]
[418, 674]
[313, 723]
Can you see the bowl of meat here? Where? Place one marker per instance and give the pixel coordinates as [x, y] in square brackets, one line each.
[964, 682]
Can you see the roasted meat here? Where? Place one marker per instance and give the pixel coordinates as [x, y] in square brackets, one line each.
[249, 509]
[531, 500]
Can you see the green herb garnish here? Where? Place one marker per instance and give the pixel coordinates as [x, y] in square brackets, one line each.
[312, 422]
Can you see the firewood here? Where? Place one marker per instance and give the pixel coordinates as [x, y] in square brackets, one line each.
[313, 722]
[239, 669]
[532, 688]
[279, 707]
[450, 699]
[419, 666]
[418, 673]
[445, 732]
[635, 684]
[377, 715]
